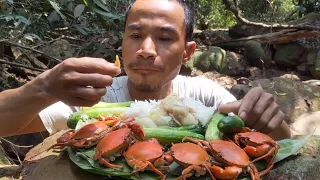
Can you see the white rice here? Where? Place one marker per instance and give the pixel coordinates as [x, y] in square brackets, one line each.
[144, 111]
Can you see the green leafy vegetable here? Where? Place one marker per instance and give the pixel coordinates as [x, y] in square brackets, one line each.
[289, 147]
[84, 159]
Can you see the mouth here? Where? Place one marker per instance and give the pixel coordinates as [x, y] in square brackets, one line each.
[146, 70]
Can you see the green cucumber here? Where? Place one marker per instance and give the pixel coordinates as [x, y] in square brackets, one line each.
[108, 105]
[93, 113]
[168, 136]
[231, 124]
[196, 128]
[212, 131]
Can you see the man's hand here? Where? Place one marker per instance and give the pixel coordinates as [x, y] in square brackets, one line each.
[78, 81]
[258, 109]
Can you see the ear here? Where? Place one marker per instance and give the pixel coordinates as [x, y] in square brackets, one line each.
[189, 51]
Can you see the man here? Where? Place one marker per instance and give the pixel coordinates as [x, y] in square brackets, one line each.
[156, 42]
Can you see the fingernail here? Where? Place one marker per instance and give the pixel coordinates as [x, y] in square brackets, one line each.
[243, 115]
[118, 71]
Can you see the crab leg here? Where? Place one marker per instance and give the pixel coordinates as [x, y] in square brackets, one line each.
[108, 164]
[253, 171]
[200, 170]
[252, 151]
[142, 165]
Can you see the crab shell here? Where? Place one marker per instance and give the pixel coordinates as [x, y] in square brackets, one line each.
[187, 154]
[254, 138]
[229, 153]
[90, 130]
[149, 150]
[113, 144]
[86, 136]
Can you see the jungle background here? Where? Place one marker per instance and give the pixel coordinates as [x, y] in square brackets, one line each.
[241, 44]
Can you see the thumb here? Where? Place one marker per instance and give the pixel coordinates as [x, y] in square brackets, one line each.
[230, 107]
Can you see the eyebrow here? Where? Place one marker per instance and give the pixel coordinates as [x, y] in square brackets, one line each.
[165, 28]
[134, 26]
[168, 28]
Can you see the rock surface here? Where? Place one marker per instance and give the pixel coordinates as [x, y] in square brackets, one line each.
[295, 98]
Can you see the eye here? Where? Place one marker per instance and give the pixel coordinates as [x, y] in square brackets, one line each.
[165, 38]
[135, 36]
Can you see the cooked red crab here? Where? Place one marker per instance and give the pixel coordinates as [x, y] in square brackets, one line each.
[193, 158]
[229, 159]
[148, 155]
[258, 145]
[85, 137]
[116, 142]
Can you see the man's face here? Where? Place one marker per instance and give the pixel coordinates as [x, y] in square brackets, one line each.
[153, 45]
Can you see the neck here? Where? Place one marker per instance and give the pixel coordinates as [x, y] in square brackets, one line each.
[157, 95]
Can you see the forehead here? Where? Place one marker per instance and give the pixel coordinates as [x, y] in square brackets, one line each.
[169, 12]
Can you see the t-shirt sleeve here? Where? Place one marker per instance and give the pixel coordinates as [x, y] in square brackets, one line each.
[55, 117]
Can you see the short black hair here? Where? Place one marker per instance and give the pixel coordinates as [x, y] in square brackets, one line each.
[189, 19]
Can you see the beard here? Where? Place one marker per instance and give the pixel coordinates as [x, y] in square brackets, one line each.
[145, 87]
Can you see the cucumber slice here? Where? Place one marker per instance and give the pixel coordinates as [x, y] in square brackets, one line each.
[169, 136]
[212, 131]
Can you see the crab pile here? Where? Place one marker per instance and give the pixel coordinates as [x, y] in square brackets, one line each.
[219, 159]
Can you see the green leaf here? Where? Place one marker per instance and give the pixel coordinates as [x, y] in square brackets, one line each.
[80, 29]
[78, 10]
[85, 2]
[106, 14]
[57, 8]
[9, 17]
[289, 147]
[31, 37]
[84, 160]
[102, 6]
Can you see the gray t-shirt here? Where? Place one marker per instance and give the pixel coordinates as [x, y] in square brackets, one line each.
[199, 88]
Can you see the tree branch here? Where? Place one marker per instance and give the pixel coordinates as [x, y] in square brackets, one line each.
[243, 20]
[31, 49]
[21, 65]
[280, 37]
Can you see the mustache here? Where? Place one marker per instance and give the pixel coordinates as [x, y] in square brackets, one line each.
[143, 65]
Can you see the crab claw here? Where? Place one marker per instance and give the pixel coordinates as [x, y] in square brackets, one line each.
[231, 172]
[137, 130]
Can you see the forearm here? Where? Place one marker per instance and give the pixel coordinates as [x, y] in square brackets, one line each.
[282, 132]
[18, 107]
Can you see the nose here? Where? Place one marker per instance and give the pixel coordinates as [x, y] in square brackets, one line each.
[148, 49]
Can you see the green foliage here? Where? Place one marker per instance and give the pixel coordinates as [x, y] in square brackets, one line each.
[211, 14]
[96, 17]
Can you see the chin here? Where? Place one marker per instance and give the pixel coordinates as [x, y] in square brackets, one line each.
[144, 87]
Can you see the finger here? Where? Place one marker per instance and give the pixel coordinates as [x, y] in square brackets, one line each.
[75, 101]
[264, 102]
[88, 93]
[92, 65]
[230, 107]
[267, 116]
[94, 80]
[274, 123]
[247, 104]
